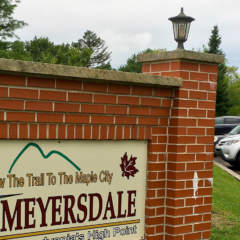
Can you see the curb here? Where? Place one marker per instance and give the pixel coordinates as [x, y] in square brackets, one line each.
[235, 175]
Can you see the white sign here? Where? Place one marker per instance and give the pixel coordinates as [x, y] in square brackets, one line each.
[72, 190]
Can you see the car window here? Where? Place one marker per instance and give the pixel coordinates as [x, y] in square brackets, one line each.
[231, 120]
[219, 120]
[221, 130]
[235, 130]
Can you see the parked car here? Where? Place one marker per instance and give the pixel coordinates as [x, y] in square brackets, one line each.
[223, 125]
[230, 149]
[233, 133]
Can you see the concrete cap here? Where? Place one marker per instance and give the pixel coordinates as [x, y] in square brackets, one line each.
[181, 55]
[44, 70]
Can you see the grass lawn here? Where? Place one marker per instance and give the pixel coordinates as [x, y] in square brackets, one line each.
[226, 206]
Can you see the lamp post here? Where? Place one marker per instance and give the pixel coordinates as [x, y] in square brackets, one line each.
[181, 25]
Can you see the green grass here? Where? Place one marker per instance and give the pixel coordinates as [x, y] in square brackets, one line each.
[226, 206]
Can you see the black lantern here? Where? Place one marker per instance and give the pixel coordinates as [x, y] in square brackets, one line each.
[181, 26]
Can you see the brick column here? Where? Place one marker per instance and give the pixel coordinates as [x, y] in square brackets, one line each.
[188, 193]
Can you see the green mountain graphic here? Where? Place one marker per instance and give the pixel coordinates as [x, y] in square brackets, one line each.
[45, 156]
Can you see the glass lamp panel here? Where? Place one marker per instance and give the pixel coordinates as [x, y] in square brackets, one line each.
[175, 30]
[187, 31]
[182, 31]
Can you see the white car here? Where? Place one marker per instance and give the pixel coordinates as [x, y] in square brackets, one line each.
[230, 149]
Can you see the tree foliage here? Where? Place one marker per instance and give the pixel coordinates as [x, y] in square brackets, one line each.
[84, 53]
[132, 65]
[7, 22]
[222, 101]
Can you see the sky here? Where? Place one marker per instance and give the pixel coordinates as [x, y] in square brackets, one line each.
[131, 26]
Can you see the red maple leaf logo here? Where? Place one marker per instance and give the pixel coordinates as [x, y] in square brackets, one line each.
[128, 166]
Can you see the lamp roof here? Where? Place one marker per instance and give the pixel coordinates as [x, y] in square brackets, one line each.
[181, 16]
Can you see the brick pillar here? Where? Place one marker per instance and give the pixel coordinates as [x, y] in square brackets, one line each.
[188, 194]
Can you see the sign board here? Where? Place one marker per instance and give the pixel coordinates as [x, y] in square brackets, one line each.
[72, 190]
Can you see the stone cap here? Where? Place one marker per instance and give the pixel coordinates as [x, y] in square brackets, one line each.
[181, 55]
[44, 70]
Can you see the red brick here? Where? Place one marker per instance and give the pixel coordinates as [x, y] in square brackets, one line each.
[114, 109]
[70, 131]
[42, 131]
[12, 80]
[208, 68]
[193, 219]
[199, 76]
[189, 85]
[163, 92]
[127, 132]
[175, 202]
[159, 130]
[158, 67]
[179, 112]
[39, 106]
[206, 104]
[3, 92]
[110, 99]
[154, 221]
[185, 103]
[119, 89]
[211, 96]
[92, 108]
[145, 67]
[198, 95]
[155, 202]
[126, 120]
[23, 93]
[176, 185]
[49, 118]
[197, 113]
[207, 86]
[23, 131]
[179, 230]
[176, 148]
[203, 209]
[69, 84]
[180, 93]
[205, 139]
[213, 77]
[3, 130]
[156, 147]
[196, 131]
[195, 166]
[128, 100]
[180, 74]
[206, 122]
[202, 226]
[182, 139]
[149, 230]
[13, 131]
[95, 132]
[33, 131]
[52, 95]
[87, 132]
[79, 97]
[144, 91]
[79, 132]
[61, 131]
[77, 118]
[195, 148]
[177, 131]
[111, 132]
[160, 112]
[102, 120]
[183, 122]
[66, 107]
[12, 104]
[20, 116]
[52, 131]
[94, 87]
[179, 65]
[40, 82]
[192, 236]
[170, 237]
[156, 166]
[166, 103]
[155, 102]
[139, 111]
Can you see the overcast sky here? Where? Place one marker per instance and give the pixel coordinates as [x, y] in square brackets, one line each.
[130, 26]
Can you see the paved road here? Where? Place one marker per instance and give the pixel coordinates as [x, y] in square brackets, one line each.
[226, 164]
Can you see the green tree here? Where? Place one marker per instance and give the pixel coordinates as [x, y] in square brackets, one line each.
[7, 22]
[222, 101]
[99, 55]
[132, 65]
